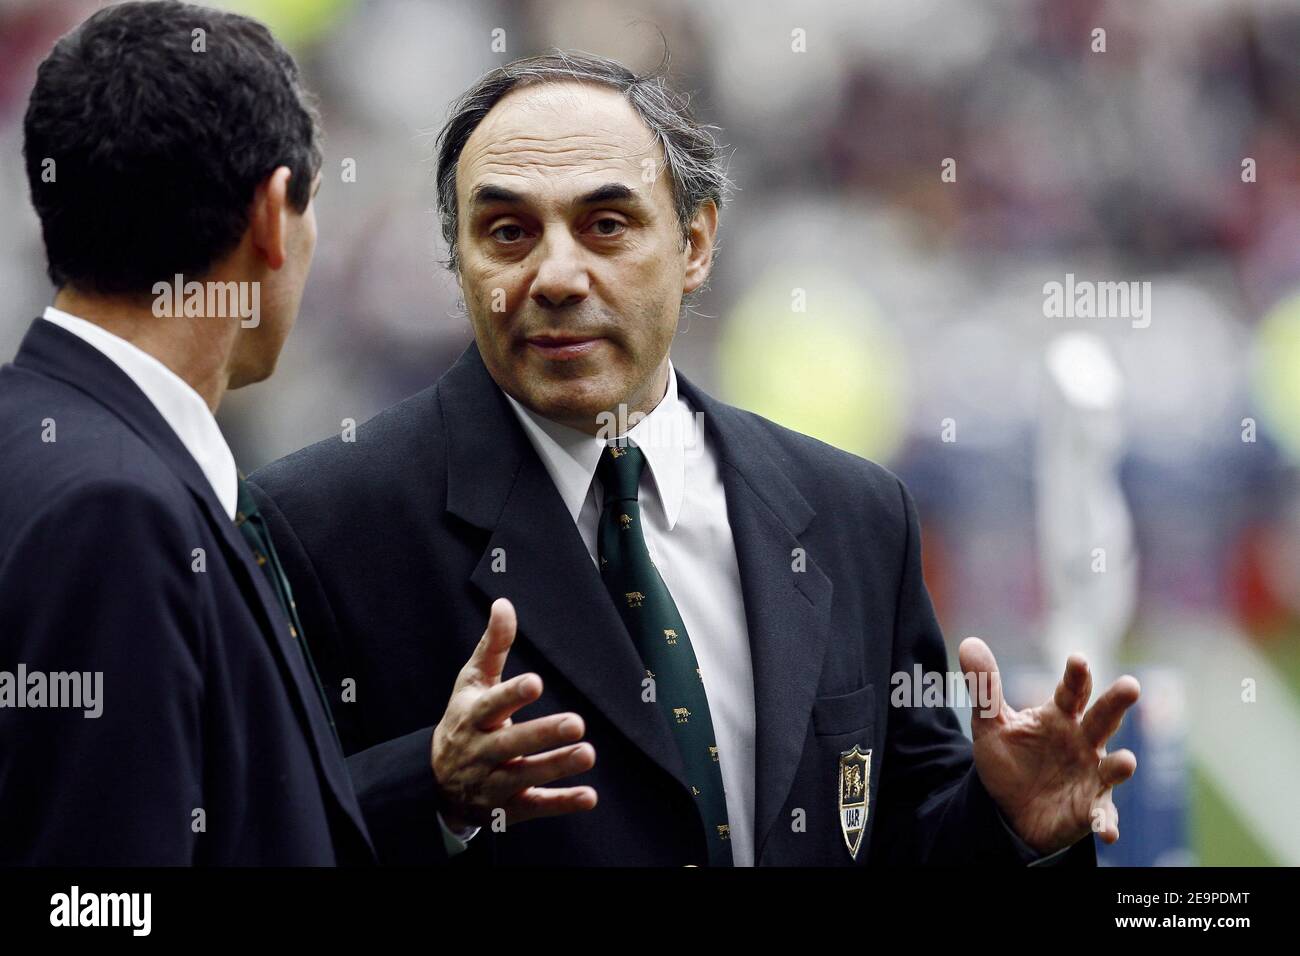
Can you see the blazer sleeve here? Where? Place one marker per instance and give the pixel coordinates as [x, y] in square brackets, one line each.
[102, 582]
[393, 780]
[932, 807]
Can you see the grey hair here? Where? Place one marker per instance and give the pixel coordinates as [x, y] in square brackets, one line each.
[693, 159]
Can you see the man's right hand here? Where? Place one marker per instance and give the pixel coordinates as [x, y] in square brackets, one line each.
[483, 761]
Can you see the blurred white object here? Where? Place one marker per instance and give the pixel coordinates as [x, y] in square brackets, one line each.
[1085, 531]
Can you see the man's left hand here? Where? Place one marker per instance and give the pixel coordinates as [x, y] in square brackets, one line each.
[1047, 767]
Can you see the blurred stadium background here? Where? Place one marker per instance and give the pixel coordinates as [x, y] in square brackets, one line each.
[862, 298]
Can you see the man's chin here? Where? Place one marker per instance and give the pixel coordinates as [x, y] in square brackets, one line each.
[251, 375]
[572, 403]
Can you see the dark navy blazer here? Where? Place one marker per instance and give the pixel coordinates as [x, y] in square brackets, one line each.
[209, 720]
[390, 543]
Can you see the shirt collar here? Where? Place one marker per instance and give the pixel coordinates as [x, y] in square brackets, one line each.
[571, 456]
[181, 407]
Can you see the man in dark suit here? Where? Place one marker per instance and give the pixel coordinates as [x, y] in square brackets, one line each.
[156, 704]
[707, 610]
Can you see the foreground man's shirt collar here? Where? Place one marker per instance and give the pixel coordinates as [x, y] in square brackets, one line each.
[571, 456]
[181, 407]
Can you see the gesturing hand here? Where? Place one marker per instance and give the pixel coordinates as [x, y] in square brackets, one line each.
[483, 761]
[1046, 767]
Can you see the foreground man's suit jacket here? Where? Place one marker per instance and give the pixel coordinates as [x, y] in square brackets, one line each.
[390, 543]
[207, 704]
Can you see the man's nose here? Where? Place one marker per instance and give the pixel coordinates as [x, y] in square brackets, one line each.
[561, 277]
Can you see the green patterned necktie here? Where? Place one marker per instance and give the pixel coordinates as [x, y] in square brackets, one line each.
[253, 527]
[660, 636]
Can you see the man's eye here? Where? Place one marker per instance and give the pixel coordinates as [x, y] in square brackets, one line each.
[508, 233]
[616, 226]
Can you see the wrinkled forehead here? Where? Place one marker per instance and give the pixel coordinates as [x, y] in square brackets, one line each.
[555, 140]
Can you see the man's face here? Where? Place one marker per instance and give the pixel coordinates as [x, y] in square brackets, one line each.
[571, 260]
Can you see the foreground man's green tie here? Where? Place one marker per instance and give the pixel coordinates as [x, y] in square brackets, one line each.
[657, 629]
[252, 526]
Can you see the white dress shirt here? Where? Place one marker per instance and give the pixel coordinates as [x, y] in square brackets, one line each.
[181, 407]
[688, 534]
[189, 417]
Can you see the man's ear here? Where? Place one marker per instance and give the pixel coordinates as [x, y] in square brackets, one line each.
[268, 223]
[699, 250]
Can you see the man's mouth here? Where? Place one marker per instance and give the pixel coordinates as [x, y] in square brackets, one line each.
[562, 347]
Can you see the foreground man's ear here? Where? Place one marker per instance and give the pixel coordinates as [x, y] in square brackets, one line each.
[268, 222]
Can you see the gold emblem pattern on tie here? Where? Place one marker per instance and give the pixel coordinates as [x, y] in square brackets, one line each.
[661, 638]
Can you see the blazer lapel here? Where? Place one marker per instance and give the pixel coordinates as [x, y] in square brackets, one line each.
[496, 482]
[55, 352]
[787, 611]
[293, 665]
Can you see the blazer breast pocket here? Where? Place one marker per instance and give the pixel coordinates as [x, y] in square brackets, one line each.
[845, 714]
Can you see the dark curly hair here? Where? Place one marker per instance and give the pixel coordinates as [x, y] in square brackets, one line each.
[158, 136]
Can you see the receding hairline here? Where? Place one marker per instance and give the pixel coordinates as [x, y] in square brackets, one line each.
[492, 190]
[652, 144]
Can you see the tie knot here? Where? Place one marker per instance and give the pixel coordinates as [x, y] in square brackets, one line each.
[619, 471]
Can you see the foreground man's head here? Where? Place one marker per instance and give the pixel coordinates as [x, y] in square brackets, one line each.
[165, 139]
[580, 205]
